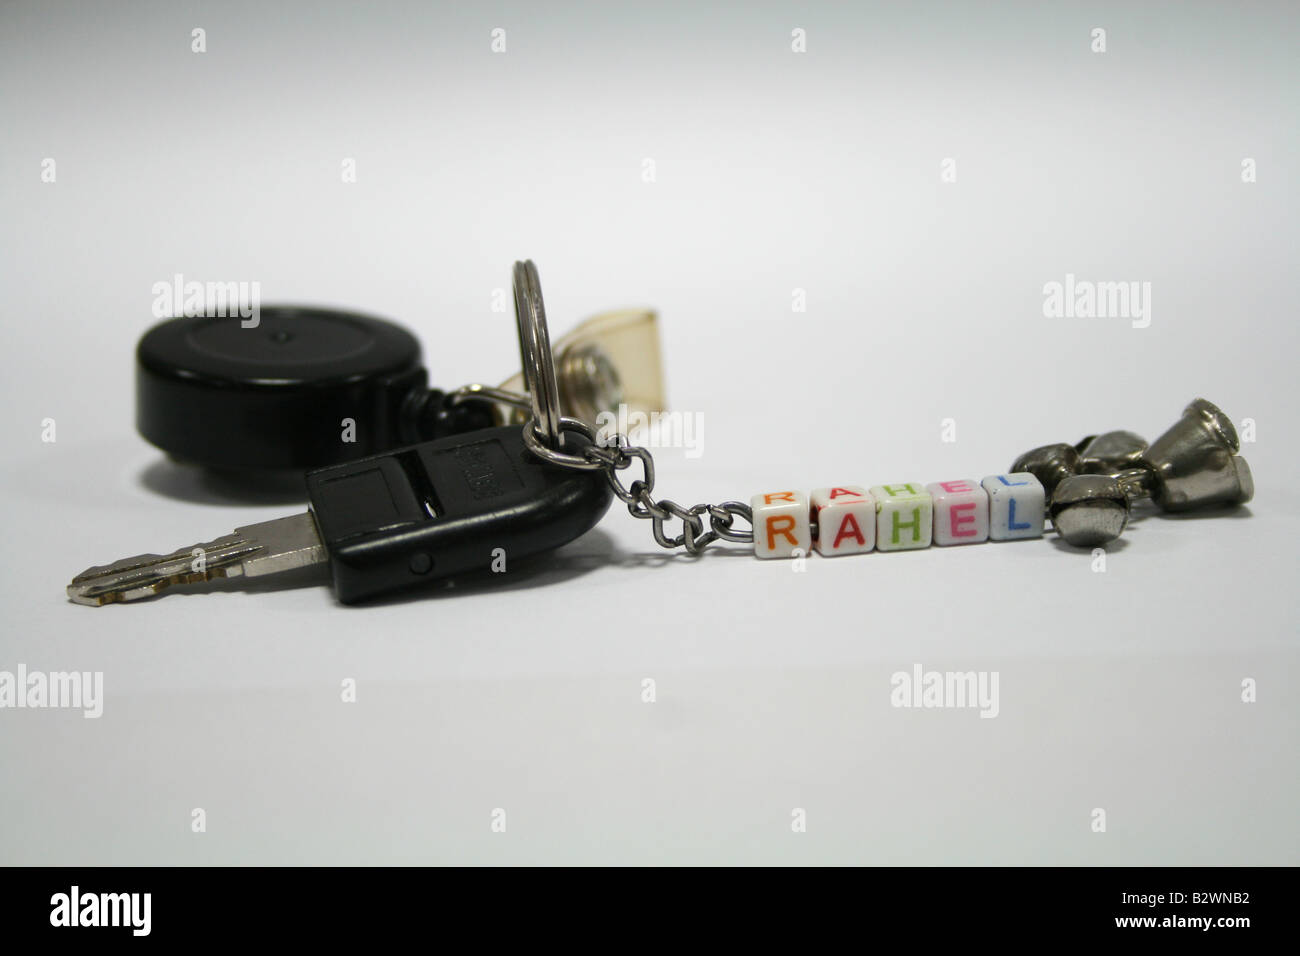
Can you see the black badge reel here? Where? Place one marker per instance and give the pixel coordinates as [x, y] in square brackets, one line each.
[310, 387]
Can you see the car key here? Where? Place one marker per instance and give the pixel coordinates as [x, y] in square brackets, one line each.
[391, 521]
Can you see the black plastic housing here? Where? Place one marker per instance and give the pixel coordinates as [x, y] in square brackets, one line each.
[210, 391]
[303, 388]
[444, 507]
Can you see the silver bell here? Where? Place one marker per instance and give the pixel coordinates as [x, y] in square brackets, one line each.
[1195, 463]
[1050, 464]
[1089, 510]
[1111, 452]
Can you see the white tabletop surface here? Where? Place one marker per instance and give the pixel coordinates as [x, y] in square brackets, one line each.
[771, 737]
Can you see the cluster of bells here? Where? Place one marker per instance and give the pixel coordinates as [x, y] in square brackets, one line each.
[1091, 485]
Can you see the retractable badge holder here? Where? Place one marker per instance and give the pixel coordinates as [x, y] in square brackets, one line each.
[535, 478]
[301, 388]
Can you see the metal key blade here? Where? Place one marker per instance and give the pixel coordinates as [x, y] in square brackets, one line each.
[253, 550]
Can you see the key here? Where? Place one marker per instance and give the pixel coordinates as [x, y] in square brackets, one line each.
[390, 522]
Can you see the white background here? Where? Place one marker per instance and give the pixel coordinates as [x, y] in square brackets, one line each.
[775, 171]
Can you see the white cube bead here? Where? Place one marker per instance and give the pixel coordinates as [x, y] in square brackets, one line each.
[904, 516]
[1016, 506]
[961, 512]
[781, 524]
[846, 520]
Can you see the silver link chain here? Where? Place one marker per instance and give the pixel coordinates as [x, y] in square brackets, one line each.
[639, 495]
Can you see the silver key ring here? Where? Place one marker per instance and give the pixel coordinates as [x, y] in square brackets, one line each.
[533, 442]
[535, 350]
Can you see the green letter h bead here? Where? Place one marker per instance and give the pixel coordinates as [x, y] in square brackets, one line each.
[914, 524]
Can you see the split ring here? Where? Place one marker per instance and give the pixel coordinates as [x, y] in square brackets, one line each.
[533, 442]
[535, 350]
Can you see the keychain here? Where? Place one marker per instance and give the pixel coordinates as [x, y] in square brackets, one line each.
[444, 507]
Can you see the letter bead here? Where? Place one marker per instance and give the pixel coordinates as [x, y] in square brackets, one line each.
[1016, 506]
[781, 524]
[961, 512]
[904, 516]
[846, 520]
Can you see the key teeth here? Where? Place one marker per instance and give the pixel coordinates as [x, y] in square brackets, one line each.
[86, 593]
[125, 565]
[264, 548]
[78, 596]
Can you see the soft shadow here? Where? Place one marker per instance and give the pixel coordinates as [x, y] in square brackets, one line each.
[205, 486]
[1111, 547]
[1149, 511]
[1229, 511]
[593, 550]
[539, 570]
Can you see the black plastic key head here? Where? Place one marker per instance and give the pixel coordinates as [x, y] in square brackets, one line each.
[446, 507]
